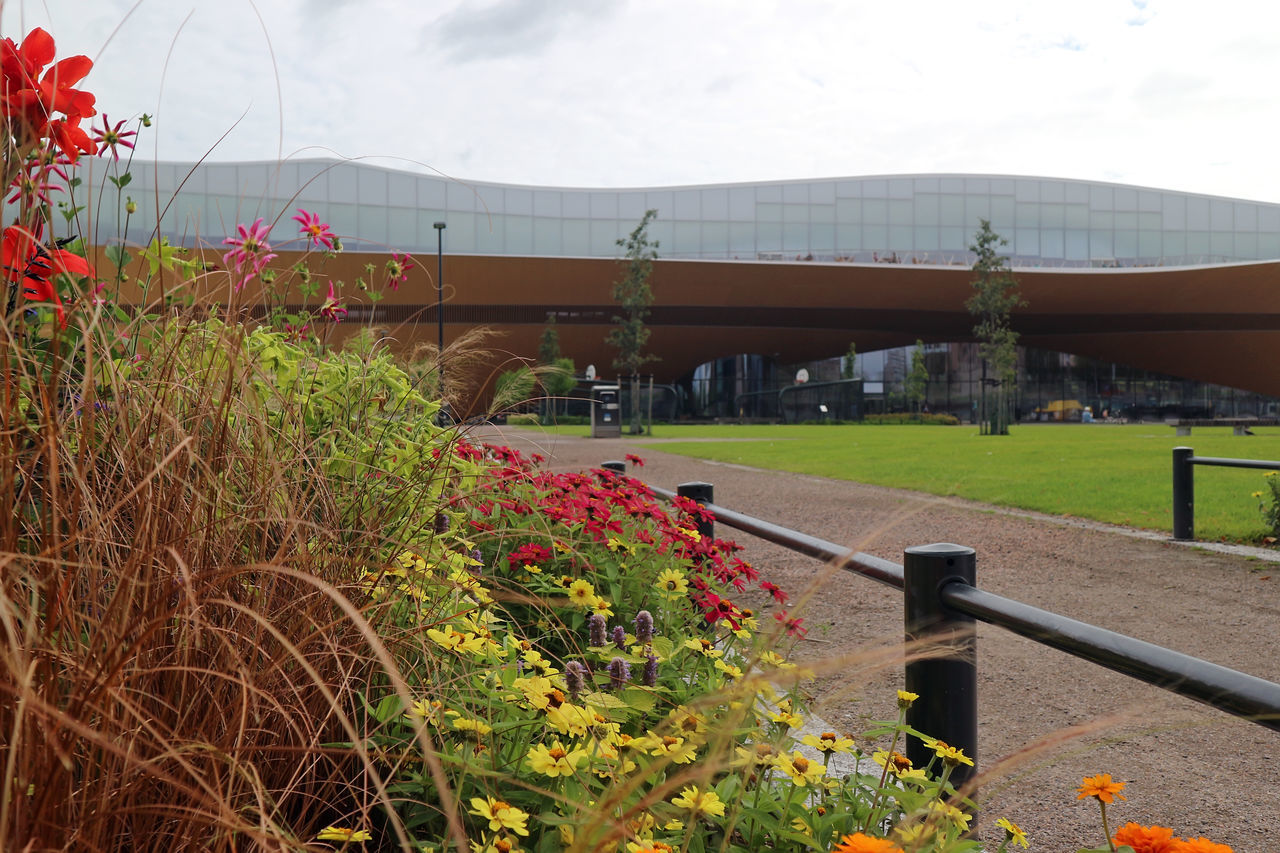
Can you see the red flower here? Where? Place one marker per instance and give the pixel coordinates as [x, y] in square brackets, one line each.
[111, 137]
[29, 101]
[314, 230]
[29, 264]
[635, 460]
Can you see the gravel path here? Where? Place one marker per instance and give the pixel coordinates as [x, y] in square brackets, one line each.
[1187, 766]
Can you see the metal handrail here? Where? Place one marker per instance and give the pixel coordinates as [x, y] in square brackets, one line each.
[1184, 484]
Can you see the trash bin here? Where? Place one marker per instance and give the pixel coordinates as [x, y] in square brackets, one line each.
[606, 413]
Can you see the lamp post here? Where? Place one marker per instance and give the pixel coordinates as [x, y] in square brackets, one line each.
[440, 226]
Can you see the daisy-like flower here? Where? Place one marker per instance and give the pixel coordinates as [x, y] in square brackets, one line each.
[344, 835]
[111, 137]
[1202, 845]
[949, 813]
[906, 698]
[397, 270]
[1012, 833]
[468, 724]
[582, 593]
[500, 814]
[803, 772]
[1101, 787]
[679, 750]
[829, 742]
[555, 760]
[1147, 839]
[730, 670]
[859, 843]
[250, 252]
[313, 229]
[426, 710]
[699, 802]
[951, 756]
[896, 761]
[703, 647]
[784, 715]
[672, 583]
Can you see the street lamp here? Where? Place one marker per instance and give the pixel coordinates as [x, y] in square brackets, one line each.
[440, 226]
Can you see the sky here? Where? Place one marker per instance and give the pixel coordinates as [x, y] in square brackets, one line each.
[1174, 94]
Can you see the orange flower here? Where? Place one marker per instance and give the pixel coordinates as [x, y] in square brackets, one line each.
[1202, 845]
[1102, 787]
[859, 843]
[1148, 839]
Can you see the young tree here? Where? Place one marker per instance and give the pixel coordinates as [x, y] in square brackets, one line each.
[917, 383]
[633, 295]
[847, 370]
[995, 296]
[548, 355]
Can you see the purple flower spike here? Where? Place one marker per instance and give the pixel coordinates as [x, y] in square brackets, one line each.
[575, 678]
[596, 625]
[619, 673]
[650, 676]
[620, 637]
[644, 627]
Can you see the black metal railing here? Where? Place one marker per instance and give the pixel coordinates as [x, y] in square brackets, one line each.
[1184, 485]
[941, 602]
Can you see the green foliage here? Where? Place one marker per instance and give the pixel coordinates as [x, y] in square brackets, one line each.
[917, 383]
[848, 368]
[513, 387]
[634, 296]
[1269, 503]
[549, 343]
[995, 296]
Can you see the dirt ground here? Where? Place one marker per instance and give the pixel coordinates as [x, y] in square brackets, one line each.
[1186, 765]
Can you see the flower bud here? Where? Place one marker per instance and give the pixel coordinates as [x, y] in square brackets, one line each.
[644, 627]
[131, 207]
[619, 673]
[596, 630]
[619, 637]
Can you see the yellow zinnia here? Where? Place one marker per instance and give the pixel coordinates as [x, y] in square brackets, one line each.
[500, 814]
[699, 802]
[555, 760]
[347, 836]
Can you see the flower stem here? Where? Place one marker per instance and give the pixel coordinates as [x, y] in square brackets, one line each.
[1105, 829]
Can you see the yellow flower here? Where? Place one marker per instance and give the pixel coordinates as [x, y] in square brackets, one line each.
[758, 755]
[686, 722]
[410, 560]
[347, 836]
[950, 755]
[501, 815]
[829, 742]
[570, 719]
[800, 826]
[672, 583]
[467, 724]
[427, 711]
[950, 813]
[905, 699]
[1257, 494]
[897, 762]
[499, 844]
[699, 802]
[678, 749]
[616, 544]
[914, 833]
[703, 647]
[1013, 833]
[534, 660]
[555, 760]
[601, 606]
[784, 715]
[581, 593]
[457, 641]
[1100, 786]
[729, 669]
[803, 772]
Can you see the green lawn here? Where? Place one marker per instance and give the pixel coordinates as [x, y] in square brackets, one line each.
[1117, 474]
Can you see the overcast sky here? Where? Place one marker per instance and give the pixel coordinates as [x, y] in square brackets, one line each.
[1176, 94]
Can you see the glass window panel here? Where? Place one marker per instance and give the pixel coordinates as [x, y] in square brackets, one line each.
[822, 213]
[1246, 216]
[1051, 243]
[1221, 245]
[822, 192]
[457, 196]
[715, 239]
[402, 228]
[848, 238]
[769, 237]
[1026, 191]
[519, 240]
[875, 211]
[518, 201]
[900, 211]
[771, 193]
[822, 238]
[460, 236]
[489, 233]
[977, 185]
[1197, 214]
[1053, 191]
[875, 188]
[661, 230]
[1148, 244]
[715, 204]
[849, 189]
[1101, 198]
[222, 179]
[1247, 246]
[604, 206]
[1127, 221]
[1149, 221]
[742, 204]
[576, 237]
[488, 200]
[631, 207]
[431, 193]
[951, 185]
[1002, 186]
[546, 236]
[688, 205]
[927, 209]
[1220, 218]
[1269, 218]
[795, 193]
[1175, 246]
[1148, 201]
[1126, 198]
[900, 238]
[547, 203]
[1027, 242]
[1026, 215]
[795, 237]
[687, 239]
[1198, 245]
[1269, 246]
[926, 238]
[252, 180]
[1077, 216]
[1053, 215]
[769, 212]
[1001, 212]
[849, 210]
[1077, 248]
[795, 213]
[1100, 246]
[900, 188]
[344, 219]
[373, 224]
[169, 176]
[952, 210]
[1077, 193]
[1102, 219]
[875, 237]
[952, 239]
[1174, 212]
[373, 186]
[402, 191]
[742, 239]
[1126, 246]
[575, 205]
[975, 208]
[925, 185]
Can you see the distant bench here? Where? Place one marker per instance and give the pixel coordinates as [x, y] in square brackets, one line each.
[1239, 426]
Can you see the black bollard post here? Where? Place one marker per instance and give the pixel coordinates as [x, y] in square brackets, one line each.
[947, 686]
[615, 466]
[1184, 494]
[703, 494]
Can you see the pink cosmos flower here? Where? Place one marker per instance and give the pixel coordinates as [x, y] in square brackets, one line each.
[250, 252]
[397, 270]
[112, 137]
[331, 310]
[314, 230]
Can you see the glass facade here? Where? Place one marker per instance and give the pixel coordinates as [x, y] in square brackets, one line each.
[926, 219]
